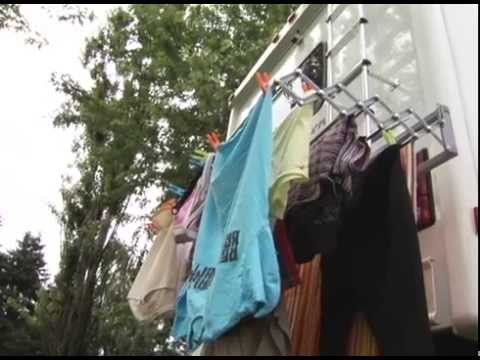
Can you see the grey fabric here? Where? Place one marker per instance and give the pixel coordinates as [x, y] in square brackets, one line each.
[268, 336]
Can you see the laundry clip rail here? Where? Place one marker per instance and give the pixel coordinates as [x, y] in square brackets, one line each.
[412, 126]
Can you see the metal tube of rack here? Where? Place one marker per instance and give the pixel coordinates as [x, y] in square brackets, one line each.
[363, 49]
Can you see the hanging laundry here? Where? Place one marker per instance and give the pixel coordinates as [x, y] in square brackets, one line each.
[195, 216]
[361, 341]
[158, 221]
[304, 310]
[188, 207]
[333, 156]
[181, 219]
[376, 267]
[286, 258]
[154, 290]
[201, 190]
[314, 206]
[312, 227]
[183, 251]
[290, 156]
[408, 158]
[235, 271]
[268, 336]
[290, 165]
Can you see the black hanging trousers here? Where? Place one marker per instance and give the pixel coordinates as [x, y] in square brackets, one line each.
[376, 267]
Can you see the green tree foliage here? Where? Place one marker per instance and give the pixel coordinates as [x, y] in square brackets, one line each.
[114, 330]
[12, 17]
[22, 273]
[70, 12]
[162, 75]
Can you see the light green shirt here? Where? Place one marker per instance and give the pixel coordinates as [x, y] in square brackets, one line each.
[291, 148]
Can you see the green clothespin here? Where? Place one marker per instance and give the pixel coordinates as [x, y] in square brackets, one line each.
[389, 137]
[200, 154]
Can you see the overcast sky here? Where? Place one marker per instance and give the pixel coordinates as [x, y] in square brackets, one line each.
[34, 154]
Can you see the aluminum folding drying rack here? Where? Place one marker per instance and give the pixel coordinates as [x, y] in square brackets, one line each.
[423, 126]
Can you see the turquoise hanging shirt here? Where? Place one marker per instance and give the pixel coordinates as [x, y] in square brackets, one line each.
[235, 272]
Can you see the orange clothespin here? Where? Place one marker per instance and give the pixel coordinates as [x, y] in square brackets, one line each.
[307, 86]
[263, 80]
[154, 226]
[168, 205]
[214, 140]
[152, 229]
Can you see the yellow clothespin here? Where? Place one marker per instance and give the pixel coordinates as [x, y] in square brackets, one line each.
[389, 137]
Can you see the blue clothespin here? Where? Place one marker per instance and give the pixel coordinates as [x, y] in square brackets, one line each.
[176, 189]
[196, 162]
[196, 157]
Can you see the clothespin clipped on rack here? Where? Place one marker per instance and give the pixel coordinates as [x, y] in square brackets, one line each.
[197, 159]
[200, 154]
[214, 140]
[307, 86]
[155, 225]
[168, 205]
[176, 190]
[263, 79]
[195, 162]
[389, 137]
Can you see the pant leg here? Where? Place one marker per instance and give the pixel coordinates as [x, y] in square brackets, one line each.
[398, 312]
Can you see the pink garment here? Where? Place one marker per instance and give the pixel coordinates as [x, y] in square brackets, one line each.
[187, 220]
[181, 219]
[201, 190]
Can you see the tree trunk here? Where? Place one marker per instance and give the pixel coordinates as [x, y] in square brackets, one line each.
[77, 347]
[80, 313]
[73, 304]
